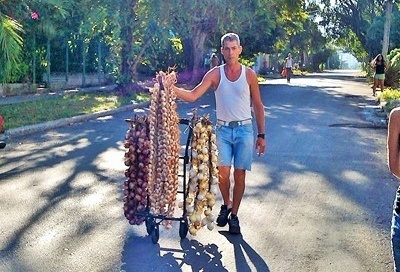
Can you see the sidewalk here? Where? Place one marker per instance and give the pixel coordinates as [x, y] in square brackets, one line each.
[32, 97]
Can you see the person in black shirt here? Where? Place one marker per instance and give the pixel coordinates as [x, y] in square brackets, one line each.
[380, 65]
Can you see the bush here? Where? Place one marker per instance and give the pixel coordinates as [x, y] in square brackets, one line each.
[392, 76]
[393, 53]
[390, 94]
[393, 72]
[391, 105]
[392, 98]
[19, 74]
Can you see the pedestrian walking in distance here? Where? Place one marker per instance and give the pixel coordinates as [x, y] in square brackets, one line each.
[288, 66]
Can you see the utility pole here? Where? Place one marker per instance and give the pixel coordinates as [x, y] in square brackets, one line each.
[386, 29]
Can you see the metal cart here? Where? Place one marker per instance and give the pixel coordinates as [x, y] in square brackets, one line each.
[153, 221]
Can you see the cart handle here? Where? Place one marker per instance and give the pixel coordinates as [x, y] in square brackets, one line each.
[184, 121]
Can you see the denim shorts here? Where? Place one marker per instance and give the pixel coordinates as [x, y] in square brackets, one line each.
[379, 76]
[235, 145]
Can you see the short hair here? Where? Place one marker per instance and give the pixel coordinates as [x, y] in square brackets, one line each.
[230, 37]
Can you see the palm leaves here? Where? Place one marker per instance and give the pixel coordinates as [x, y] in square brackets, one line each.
[10, 46]
[11, 41]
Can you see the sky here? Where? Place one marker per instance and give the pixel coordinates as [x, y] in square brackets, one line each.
[350, 60]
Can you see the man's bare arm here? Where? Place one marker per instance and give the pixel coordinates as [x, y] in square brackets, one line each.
[206, 83]
[256, 100]
[393, 142]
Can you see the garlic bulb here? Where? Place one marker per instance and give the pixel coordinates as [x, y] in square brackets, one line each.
[164, 148]
[203, 176]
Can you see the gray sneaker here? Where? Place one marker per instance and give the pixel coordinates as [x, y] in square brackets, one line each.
[222, 219]
[234, 227]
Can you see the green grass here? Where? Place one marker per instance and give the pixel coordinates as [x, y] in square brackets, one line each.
[64, 106]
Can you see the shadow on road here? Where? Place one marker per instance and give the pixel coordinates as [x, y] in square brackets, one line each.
[49, 172]
[345, 157]
[197, 256]
[308, 134]
[243, 249]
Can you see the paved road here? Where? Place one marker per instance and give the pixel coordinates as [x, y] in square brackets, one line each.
[319, 200]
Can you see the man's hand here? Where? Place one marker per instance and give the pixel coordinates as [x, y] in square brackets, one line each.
[261, 145]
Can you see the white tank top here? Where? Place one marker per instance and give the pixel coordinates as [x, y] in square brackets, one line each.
[233, 98]
[289, 63]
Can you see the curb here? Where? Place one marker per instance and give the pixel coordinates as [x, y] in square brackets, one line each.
[32, 97]
[21, 131]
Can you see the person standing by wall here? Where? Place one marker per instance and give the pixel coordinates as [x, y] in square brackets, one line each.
[393, 150]
[1, 124]
[236, 89]
[380, 66]
[288, 65]
[214, 61]
[2, 143]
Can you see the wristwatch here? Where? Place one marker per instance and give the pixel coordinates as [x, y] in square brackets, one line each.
[261, 135]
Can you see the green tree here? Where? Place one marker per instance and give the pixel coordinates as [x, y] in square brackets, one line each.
[149, 35]
[15, 31]
[348, 22]
[142, 29]
[11, 45]
[200, 24]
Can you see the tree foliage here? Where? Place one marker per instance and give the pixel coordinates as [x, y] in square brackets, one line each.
[358, 24]
[10, 45]
[124, 38]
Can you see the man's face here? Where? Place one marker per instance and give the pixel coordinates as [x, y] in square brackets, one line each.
[231, 50]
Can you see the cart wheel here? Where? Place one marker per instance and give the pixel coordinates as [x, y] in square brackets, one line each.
[183, 228]
[155, 234]
[150, 225]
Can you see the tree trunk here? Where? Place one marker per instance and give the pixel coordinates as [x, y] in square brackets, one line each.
[48, 63]
[139, 57]
[66, 61]
[386, 30]
[34, 60]
[127, 16]
[99, 64]
[186, 75]
[83, 63]
[198, 40]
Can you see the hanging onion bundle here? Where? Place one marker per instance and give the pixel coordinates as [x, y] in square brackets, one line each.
[152, 156]
[137, 158]
[203, 177]
[165, 146]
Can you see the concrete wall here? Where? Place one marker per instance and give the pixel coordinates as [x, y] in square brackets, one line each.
[57, 82]
[75, 80]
